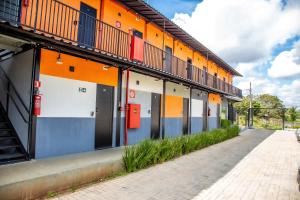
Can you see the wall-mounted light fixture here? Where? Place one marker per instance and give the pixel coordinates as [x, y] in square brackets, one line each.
[105, 67]
[59, 59]
[138, 18]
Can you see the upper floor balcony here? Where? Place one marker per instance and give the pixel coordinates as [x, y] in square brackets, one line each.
[53, 18]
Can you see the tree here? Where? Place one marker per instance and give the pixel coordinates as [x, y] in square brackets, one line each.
[274, 106]
[292, 112]
[243, 106]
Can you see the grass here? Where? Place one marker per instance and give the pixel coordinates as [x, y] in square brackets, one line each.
[150, 152]
[51, 194]
[225, 123]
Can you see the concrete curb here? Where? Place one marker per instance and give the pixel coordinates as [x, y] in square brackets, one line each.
[59, 180]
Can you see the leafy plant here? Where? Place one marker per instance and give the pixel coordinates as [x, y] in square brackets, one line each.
[225, 123]
[150, 152]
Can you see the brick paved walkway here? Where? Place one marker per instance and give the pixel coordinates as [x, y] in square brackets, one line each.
[268, 172]
[181, 179]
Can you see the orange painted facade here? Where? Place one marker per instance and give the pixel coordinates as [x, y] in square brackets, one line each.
[174, 106]
[113, 12]
[214, 98]
[84, 70]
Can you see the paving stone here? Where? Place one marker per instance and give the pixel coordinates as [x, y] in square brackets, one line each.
[182, 178]
[268, 172]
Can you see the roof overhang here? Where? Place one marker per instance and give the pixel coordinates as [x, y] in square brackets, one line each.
[233, 98]
[152, 15]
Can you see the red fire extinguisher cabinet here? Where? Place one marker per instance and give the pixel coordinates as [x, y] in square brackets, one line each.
[134, 115]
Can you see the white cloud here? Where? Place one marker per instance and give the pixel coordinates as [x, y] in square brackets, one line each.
[243, 30]
[244, 33]
[289, 93]
[286, 64]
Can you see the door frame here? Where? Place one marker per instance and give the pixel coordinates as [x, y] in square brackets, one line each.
[159, 115]
[112, 117]
[185, 132]
[94, 33]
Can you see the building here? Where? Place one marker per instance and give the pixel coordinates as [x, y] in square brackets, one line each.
[83, 75]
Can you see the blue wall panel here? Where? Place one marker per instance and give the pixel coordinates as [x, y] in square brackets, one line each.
[60, 136]
[212, 123]
[196, 125]
[144, 132]
[137, 135]
[173, 127]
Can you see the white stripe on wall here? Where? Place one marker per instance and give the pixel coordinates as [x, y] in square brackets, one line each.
[180, 90]
[62, 97]
[197, 108]
[213, 109]
[145, 83]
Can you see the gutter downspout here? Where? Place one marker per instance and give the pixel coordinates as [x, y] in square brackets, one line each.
[126, 108]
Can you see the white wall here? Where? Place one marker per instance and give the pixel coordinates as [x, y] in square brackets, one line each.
[181, 90]
[213, 109]
[61, 97]
[197, 108]
[146, 83]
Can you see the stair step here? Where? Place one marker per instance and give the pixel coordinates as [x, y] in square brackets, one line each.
[9, 146]
[11, 156]
[7, 137]
[5, 129]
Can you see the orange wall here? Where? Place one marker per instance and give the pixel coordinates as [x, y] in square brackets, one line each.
[214, 98]
[182, 51]
[128, 19]
[174, 106]
[113, 11]
[85, 70]
[154, 35]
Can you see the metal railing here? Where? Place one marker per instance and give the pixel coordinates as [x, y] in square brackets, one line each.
[12, 94]
[55, 19]
[11, 102]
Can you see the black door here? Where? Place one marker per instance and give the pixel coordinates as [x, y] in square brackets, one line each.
[168, 59]
[205, 116]
[87, 23]
[189, 69]
[215, 80]
[155, 116]
[230, 112]
[137, 34]
[218, 116]
[104, 116]
[204, 75]
[185, 119]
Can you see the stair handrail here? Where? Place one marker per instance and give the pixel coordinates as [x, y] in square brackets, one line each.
[11, 85]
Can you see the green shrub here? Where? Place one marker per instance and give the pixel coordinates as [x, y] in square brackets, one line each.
[225, 123]
[151, 152]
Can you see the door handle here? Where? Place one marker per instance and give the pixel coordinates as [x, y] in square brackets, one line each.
[97, 109]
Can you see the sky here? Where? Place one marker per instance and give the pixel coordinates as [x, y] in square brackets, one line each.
[259, 38]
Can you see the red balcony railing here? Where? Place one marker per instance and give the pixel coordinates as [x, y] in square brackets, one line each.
[55, 19]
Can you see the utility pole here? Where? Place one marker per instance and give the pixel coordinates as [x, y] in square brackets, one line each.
[250, 96]
[250, 120]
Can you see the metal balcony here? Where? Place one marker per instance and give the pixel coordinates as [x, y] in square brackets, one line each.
[55, 19]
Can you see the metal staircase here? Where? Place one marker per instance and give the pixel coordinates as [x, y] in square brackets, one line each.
[11, 149]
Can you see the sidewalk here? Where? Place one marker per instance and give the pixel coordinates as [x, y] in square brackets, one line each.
[268, 172]
[31, 179]
[181, 178]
